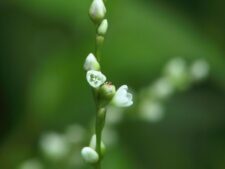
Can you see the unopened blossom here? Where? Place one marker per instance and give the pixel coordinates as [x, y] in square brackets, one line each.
[102, 29]
[97, 10]
[89, 155]
[91, 63]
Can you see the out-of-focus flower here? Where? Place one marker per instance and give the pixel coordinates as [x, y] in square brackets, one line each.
[89, 155]
[122, 98]
[178, 74]
[151, 111]
[199, 70]
[162, 88]
[95, 78]
[91, 63]
[74, 134]
[32, 164]
[54, 146]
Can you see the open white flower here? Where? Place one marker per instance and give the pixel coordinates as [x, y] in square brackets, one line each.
[122, 98]
[95, 78]
[91, 63]
[97, 10]
[89, 155]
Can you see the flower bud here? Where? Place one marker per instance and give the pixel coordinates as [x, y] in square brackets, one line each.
[89, 155]
[97, 11]
[91, 63]
[93, 144]
[103, 27]
[107, 91]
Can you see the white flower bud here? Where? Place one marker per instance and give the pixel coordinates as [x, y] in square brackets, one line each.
[97, 10]
[102, 29]
[95, 78]
[93, 144]
[91, 63]
[89, 155]
[122, 98]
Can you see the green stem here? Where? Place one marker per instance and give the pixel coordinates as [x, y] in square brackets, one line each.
[98, 46]
[100, 122]
[101, 110]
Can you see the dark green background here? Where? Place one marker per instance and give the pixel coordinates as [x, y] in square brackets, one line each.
[43, 44]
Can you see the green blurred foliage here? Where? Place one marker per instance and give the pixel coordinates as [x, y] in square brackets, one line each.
[42, 84]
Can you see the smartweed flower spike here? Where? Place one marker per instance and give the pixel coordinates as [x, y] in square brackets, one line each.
[122, 98]
[89, 155]
[97, 11]
[95, 78]
[104, 92]
[91, 63]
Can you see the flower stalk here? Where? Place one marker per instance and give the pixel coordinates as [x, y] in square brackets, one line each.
[104, 92]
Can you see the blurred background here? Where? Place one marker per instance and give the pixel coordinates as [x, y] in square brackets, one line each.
[46, 107]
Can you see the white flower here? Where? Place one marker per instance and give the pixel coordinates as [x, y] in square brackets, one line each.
[199, 70]
[97, 10]
[122, 98]
[89, 155]
[91, 63]
[102, 29]
[54, 146]
[95, 78]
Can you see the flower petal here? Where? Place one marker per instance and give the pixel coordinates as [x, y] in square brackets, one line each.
[122, 98]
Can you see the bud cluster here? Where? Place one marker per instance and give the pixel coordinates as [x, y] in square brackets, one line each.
[97, 14]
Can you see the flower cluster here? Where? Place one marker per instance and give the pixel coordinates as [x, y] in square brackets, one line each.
[94, 76]
[178, 76]
[97, 80]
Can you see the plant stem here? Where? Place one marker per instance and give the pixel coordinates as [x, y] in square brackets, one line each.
[101, 110]
[98, 45]
[100, 122]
